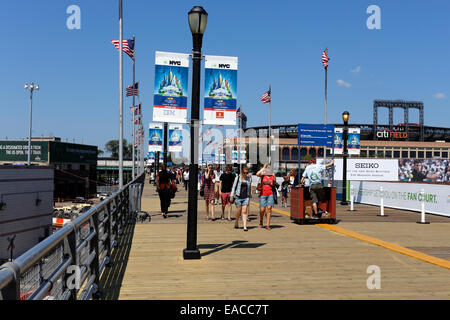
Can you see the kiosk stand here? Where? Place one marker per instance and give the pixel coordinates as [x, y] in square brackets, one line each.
[314, 135]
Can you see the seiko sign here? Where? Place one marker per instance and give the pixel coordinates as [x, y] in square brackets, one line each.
[367, 165]
[386, 134]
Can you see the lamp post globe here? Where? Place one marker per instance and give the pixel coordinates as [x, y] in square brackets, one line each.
[198, 19]
[345, 117]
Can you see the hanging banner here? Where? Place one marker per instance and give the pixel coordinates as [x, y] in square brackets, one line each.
[171, 85]
[155, 134]
[338, 144]
[220, 90]
[234, 156]
[243, 157]
[151, 157]
[222, 158]
[175, 138]
[353, 144]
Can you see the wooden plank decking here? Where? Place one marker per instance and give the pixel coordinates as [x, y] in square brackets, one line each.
[288, 262]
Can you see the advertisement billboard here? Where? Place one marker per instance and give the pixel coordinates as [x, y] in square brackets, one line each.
[220, 90]
[171, 86]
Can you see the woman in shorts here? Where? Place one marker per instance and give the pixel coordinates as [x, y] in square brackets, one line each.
[266, 195]
[241, 193]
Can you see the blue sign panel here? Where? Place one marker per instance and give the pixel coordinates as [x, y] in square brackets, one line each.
[315, 134]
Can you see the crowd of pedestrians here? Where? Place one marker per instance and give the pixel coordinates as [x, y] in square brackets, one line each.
[234, 188]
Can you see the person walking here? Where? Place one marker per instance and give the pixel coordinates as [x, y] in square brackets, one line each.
[226, 184]
[314, 174]
[241, 193]
[284, 191]
[208, 187]
[163, 185]
[265, 188]
[217, 173]
[186, 179]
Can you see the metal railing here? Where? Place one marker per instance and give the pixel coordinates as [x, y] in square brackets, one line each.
[67, 265]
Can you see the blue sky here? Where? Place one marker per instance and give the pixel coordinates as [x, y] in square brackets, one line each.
[277, 42]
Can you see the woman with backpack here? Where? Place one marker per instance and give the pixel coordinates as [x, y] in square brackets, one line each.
[240, 194]
[266, 196]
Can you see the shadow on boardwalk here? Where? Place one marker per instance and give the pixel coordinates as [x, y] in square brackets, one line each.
[112, 277]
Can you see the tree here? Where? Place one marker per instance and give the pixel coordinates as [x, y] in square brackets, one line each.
[112, 147]
[100, 152]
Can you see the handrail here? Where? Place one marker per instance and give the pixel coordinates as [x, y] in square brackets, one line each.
[68, 263]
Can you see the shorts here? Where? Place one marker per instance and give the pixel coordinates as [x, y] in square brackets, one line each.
[266, 201]
[242, 202]
[217, 187]
[317, 193]
[225, 197]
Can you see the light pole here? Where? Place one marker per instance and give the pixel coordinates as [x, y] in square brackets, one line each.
[345, 117]
[30, 87]
[198, 19]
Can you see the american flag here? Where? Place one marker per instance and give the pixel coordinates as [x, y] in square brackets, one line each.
[133, 91]
[127, 47]
[238, 112]
[325, 58]
[266, 97]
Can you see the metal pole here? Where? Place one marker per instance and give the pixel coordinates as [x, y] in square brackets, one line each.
[422, 206]
[120, 96]
[270, 130]
[191, 251]
[165, 143]
[134, 134]
[31, 117]
[325, 116]
[344, 170]
[240, 140]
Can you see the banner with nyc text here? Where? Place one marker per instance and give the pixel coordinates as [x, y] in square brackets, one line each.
[171, 86]
[220, 90]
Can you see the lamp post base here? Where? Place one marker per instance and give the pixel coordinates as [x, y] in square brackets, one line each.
[344, 203]
[191, 254]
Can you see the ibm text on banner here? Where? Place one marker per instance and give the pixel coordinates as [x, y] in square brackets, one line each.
[155, 137]
[220, 90]
[171, 86]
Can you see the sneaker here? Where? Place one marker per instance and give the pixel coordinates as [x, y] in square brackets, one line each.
[314, 216]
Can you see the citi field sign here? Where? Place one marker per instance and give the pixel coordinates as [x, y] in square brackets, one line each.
[386, 134]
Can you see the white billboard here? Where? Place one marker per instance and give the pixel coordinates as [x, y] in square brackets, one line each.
[405, 195]
[367, 169]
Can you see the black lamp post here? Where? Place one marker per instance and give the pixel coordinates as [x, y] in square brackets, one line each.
[198, 19]
[345, 116]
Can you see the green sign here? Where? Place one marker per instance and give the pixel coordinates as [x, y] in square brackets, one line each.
[18, 151]
[71, 152]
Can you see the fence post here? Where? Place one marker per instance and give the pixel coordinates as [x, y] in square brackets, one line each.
[381, 203]
[352, 197]
[422, 213]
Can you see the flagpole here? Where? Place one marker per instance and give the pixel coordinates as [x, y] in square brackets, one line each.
[270, 129]
[120, 96]
[325, 117]
[240, 139]
[134, 112]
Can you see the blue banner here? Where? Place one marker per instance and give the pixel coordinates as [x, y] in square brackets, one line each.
[220, 90]
[171, 86]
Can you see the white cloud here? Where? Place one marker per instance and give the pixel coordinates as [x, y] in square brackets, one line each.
[357, 69]
[342, 83]
[439, 95]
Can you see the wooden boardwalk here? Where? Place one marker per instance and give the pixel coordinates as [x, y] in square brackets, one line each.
[288, 262]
